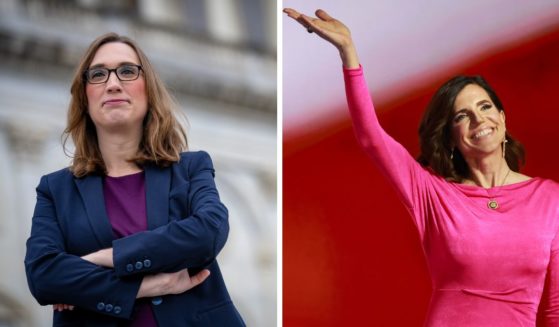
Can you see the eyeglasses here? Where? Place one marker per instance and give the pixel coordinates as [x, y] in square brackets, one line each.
[123, 73]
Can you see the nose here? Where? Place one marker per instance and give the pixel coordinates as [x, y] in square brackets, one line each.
[113, 83]
[478, 117]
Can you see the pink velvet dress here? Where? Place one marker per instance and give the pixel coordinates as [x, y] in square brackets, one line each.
[488, 267]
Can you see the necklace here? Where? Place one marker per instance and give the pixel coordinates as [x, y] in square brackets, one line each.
[493, 204]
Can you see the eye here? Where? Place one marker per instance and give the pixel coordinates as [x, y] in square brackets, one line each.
[486, 107]
[458, 118]
[127, 71]
[97, 73]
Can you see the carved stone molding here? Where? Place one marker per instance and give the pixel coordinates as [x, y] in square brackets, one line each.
[12, 313]
[25, 140]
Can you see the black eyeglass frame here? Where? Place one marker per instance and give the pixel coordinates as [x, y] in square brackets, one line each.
[109, 71]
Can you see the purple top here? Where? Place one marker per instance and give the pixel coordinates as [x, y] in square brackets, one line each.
[125, 200]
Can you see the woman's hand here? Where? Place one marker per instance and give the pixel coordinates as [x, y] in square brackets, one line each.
[331, 30]
[61, 307]
[161, 284]
[102, 258]
[170, 283]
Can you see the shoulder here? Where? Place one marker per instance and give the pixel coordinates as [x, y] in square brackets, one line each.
[188, 156]
[195, 158]
[58, 176]
[57, 180]
[61, 173]
[548, 183]
[194, 161]
[516, 177]
[540, 188]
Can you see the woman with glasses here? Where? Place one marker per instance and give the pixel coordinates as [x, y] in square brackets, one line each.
[128, 234]
[493, 260]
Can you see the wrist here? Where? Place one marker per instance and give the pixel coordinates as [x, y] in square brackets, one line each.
[105, 257]
[155, 285]
[142, 291]
[348, 54]
[102, 258]
[149, 287]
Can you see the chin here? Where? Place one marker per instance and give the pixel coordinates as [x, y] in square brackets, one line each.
[119, 118]
[116, 125]
[485, 151]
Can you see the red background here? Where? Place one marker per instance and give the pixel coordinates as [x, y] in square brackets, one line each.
[351, 255]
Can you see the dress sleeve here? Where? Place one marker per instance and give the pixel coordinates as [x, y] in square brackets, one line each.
[55, 276]
[394, 161]
[193, 241]
[549, 306]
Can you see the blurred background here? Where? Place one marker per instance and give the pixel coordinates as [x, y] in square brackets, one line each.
[219, 60]
[343, 225]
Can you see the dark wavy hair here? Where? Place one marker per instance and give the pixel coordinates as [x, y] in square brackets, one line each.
[435, 136]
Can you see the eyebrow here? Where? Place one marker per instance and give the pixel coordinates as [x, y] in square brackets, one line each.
[100, 65]
[477, 105]
[481, 102]
[459, 112]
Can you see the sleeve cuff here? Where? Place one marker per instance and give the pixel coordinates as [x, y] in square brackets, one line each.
[353, 71]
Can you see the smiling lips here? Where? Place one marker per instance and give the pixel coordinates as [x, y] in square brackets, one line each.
[482, 133]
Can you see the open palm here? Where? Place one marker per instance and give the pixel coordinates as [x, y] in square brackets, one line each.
[325, 26]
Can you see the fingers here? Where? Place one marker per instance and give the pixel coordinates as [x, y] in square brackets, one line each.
[171, 283]
[323, 15]
[291, 13]
[300, 18]
[308, 23]
[311, 24]
[183, 273]
[199, 277]
[62, 307]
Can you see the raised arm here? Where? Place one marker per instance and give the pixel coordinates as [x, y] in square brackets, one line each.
[392, 158]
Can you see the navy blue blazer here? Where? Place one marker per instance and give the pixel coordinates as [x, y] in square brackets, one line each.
[187, 227]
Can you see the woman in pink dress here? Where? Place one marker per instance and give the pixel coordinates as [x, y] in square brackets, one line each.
[493, 260]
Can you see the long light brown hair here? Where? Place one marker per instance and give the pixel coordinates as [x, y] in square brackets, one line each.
[163, 137]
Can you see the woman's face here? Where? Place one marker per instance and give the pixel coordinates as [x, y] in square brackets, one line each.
[478, 126]
[116, 105]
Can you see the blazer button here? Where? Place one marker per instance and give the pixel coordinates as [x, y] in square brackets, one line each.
[157, 300]
[129, 267]
[117, 310]
[109, 307]
[139, 265]
[100, 306]
[147, 263]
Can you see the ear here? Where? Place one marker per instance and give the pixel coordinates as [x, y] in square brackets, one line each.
[502, 112]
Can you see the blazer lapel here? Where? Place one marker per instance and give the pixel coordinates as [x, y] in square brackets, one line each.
[91, 191]
[158, 184]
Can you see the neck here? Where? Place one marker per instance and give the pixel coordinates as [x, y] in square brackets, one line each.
[117, 149]
[488, 171]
